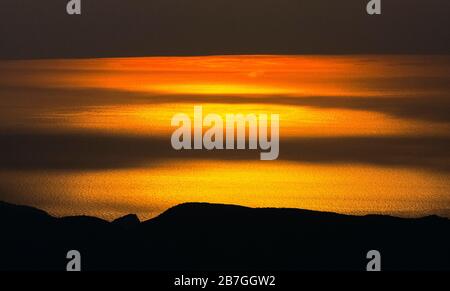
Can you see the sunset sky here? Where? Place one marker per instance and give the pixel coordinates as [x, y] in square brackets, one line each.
[86, 103]
[359, 134]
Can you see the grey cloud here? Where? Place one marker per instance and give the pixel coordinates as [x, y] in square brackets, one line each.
[42, 29]
[72, 151]
[434, 108]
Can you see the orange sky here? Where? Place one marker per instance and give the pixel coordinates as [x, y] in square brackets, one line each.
[138, 96]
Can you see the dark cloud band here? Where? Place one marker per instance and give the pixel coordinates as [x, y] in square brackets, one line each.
[47, 151]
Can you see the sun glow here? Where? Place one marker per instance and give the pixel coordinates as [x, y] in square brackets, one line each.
[232, 75]
[220, 89]
[129, 97]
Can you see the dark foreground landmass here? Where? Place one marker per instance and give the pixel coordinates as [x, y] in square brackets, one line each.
[199, 236]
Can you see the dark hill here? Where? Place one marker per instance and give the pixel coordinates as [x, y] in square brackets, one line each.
[200, 236]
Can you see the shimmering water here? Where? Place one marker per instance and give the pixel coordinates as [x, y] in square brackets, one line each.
[360, 134]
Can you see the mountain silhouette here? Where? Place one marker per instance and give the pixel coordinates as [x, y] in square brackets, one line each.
[213, 237]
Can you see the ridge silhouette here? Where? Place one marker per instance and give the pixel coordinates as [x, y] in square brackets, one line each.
[202, 236]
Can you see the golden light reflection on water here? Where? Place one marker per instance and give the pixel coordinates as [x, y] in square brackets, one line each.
[144, 99]
[295, 121]
[149, 191]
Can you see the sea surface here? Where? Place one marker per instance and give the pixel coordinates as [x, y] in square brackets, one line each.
[359, 134]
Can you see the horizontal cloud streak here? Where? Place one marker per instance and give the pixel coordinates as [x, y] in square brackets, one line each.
[433, 108]
[46, 151]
